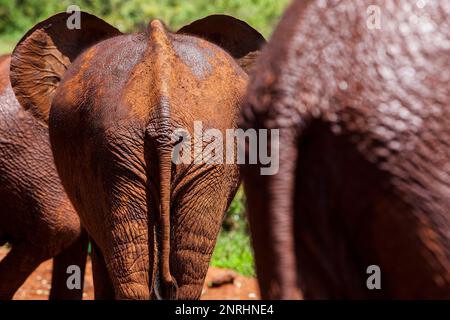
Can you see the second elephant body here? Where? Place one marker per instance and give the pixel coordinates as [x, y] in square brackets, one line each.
[364, 175]
[36, 216]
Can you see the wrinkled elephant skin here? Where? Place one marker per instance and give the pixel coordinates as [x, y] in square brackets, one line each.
[36, 216]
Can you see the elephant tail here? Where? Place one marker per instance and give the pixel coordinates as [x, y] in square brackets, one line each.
[159, 136]
[159, 131]
[165, 177]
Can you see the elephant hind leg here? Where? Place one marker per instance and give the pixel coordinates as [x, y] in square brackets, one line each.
[271, 221]
[128, 266]
[15, 268]
[103, 287]
[76, 255]
[126, 251]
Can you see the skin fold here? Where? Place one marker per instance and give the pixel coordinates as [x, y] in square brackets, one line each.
[36, 216]
[364, 176]
[153, 223]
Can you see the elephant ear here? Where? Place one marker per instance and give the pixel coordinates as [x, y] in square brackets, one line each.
[235, 36]
[42, 56]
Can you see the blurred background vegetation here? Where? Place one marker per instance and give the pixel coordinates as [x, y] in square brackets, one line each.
[233, 249]
[17, 16]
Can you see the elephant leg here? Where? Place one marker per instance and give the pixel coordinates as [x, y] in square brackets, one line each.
[76, 255]
[128, 247]
[128, 264]
[103, 287]
[271, 221]
[197, 218]
[15, 268]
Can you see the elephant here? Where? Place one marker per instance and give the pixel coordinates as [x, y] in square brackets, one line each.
[114, 103]
[36, 216]
[360, 205]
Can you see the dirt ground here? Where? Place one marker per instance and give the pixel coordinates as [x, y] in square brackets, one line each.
[220, 284]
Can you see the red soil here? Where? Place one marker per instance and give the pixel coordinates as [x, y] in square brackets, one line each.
[219, 284]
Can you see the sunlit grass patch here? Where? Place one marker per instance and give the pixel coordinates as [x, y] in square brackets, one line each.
[233, 249]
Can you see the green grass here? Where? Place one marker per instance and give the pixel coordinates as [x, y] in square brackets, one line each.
[233, 249]
[18, 16]
[7, 43]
